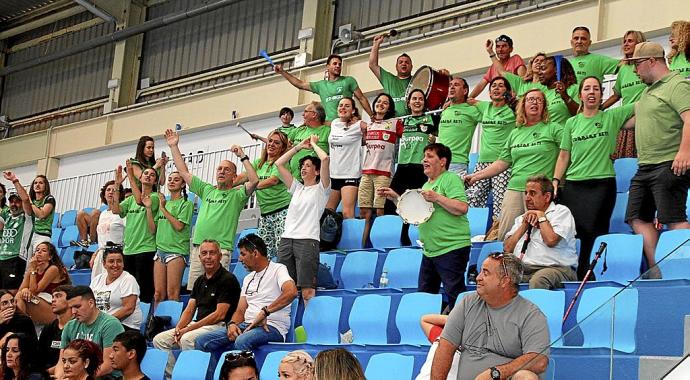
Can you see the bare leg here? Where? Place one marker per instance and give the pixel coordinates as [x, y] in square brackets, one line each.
[366, 214]
[650, 237]
[307, 294]
[159, 282]
[349, 198]
[83, 224]
[174, 276]
[93, 224]
[333, 200]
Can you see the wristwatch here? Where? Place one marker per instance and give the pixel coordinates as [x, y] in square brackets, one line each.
[495, 373]
[265, 310]
[542, 219]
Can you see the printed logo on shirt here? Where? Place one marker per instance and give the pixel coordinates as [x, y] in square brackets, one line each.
[55, 344]
[598, 124]
[103, 300]
[581, 64]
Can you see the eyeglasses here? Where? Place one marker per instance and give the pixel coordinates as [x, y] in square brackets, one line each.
[232, 356]
[500, 256]
[305, 111]
[245, 241]
[534, 100]
[638, 62]
[111, 247]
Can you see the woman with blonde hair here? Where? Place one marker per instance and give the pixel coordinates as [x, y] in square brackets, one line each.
[531, 149]
[679, 56]
[297, 365]
[337, 363]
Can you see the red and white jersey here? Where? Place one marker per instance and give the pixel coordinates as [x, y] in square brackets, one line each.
[381, 139]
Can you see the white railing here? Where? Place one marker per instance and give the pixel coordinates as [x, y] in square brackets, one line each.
[76, 193]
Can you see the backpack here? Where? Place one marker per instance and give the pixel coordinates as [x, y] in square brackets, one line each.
[331, 229]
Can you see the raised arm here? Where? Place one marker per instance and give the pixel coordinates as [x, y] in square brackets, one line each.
[363, 101]
[161, 163]
[374, 56]
[282, 162]
[325, 172]
[147, 202]
[173, 139]
[115, 203]
[21, 191]
[302, 85]
[478, 88]
[252, 177]
[136, 191]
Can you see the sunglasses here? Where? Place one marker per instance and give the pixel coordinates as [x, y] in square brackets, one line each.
[232, 356]
[500, 256]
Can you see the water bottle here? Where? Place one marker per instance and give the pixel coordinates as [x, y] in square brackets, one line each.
[383, 283]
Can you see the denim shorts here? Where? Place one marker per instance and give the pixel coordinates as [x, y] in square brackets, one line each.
[166, 257]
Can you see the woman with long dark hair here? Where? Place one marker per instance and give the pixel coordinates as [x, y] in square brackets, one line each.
[43, 206]
[145, 158]
[18, 358]
[173, 232]
[271, 193]
[44, 272]
[585, 167]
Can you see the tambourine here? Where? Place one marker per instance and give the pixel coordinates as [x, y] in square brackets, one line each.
[413, 208]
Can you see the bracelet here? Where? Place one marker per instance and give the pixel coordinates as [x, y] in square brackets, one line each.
[245, 158]
[492, 55]
[265, 310]
[557, 180]
[232, 323]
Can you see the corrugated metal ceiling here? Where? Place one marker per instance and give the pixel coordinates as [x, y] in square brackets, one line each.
[10, 9]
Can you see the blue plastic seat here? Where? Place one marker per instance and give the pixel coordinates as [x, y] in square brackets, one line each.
[369, 319]
[56, 220]
[185, 277]
[80, 277]
[329, 259]
[676, 269]
[478, 217]
[389, 366]
[351, 238]
[145, 310]
[673, 241]
[243, 233]
[88, 210]
[625, 169]
[410, 311]
[413, 234]
[403, 265]
[172, 309]
[385, 232]
[552, 304]
[190, 363]
[67, 256]
[153, 364]
[358, 269]
[596, 328]
[623, 256]
[487, 249]
[473, 158]
[103, 208]
[321, 320]
[269, 370]
[239, 271]
[70, 233]
[617, 224]
[55, 235]
[69, 218]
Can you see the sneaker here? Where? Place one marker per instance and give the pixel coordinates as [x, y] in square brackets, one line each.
[653, 273]
[80, 243]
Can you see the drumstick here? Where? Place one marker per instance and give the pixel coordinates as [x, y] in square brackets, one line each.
[241, 127]
[558, 59]
[267, 57]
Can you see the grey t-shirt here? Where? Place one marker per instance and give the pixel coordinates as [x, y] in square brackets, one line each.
[491, 337]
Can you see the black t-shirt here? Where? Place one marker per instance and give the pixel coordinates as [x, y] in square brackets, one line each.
[49, 345]
[222, 287]
[20, 323]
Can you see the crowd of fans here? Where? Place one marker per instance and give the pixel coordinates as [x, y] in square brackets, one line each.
[546, 153]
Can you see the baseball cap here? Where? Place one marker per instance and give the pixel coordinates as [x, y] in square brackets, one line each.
[647, 50]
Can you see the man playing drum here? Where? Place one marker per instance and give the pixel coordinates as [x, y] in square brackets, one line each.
[446, 234]
[394, 85]
[331, 89]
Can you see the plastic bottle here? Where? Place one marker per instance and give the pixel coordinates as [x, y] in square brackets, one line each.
[383, 283]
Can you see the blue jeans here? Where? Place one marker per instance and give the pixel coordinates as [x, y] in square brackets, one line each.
[216, 342]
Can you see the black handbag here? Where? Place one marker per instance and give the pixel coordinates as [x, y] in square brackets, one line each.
[156, 324]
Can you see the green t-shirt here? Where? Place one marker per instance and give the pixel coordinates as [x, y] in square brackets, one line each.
[297, 135]
[16, 236]
[395, 87]
[415, 137]
[658, 126]
[591, 141]
[680, 64]
[497, 122]
[4, 211]
[593, 65]
[138, 238]
[219, 213]
[143, 167]
[456, 128]
[167, 238]
[444, 232]
[628, 85]
[331, 92]
[102, 331]
[271, 198]
[531, 151]
[287, 129]
[44, 226]
[558, 110]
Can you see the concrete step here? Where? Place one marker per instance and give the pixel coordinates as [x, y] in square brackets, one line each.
[653, 367]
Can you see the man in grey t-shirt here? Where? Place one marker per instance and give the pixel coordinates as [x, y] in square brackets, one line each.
[498, 333]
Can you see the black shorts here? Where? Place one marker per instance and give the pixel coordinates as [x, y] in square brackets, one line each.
[656, 190]
[12, 273]
[339, 183]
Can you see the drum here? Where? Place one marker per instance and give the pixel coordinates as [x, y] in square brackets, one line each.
[413, 208]
[434, 85]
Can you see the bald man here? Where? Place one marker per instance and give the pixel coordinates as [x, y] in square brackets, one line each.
[222, 203]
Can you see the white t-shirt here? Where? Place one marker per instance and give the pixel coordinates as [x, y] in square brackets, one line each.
[262, 289]
[110, 228]
[345, 144]
[304, 212]
[109, 297]
[538, 253]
